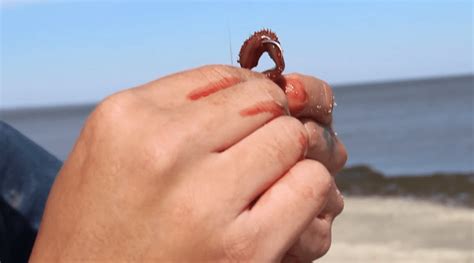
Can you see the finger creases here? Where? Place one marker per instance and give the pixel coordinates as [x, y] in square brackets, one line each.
[312, 244]
[292, 202]
[224, 118]
[260, 159]
[309, 97]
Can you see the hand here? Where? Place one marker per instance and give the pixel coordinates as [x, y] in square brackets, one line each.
[200, 165]
[312, 101]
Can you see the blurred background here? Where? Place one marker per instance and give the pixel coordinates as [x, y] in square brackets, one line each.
[402, 72]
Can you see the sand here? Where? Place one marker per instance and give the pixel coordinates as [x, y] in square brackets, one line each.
[401, 230]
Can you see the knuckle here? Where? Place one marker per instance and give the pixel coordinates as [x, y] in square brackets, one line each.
[316, 181]
[319, 249]
[324, 248]
[114, 113]
[339, 206]
[111, 108]
[167, 144]
[121, 116]
[290, 139]
[334, 206]
[322, 179]
[342, 157]
[160, 157]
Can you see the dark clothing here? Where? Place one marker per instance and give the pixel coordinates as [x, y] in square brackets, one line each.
[16, 235]
[27, 172]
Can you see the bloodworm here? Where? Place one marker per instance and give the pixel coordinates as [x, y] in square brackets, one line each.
[252, 49]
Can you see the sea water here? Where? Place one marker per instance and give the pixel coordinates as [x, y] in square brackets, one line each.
[399, 128]
[409, 127]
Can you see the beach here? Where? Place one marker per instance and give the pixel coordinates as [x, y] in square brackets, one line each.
[389, 230]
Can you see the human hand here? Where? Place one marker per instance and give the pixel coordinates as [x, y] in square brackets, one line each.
[312, 101]
[199, 165]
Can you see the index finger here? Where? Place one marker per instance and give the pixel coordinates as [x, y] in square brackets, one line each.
[309, 97]
[195, 84]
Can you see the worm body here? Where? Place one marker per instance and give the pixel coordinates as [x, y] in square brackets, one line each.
[254, 47]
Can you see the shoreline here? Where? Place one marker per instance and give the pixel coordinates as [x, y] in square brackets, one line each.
[344, 87]
[453, 189]
[414, 80]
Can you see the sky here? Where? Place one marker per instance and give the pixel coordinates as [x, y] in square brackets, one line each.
[74, 52]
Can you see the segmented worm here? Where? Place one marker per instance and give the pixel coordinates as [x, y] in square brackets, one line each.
[250, 53]
[252, 49]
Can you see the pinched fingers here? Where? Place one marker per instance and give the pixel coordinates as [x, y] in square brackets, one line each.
[225, 118]
[220, 104]
[309, 97]
[287, 208]
[315, 241]
[312, 244]
[260, 159]
[324, 146]
[334, 206]
[312, 101]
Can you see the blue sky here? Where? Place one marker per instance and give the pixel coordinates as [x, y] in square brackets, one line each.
[56, 53]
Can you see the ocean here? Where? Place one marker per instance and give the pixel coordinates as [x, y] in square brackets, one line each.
[399, 128]
[409, 127]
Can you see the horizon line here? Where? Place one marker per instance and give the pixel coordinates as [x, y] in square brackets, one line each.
[342, 85]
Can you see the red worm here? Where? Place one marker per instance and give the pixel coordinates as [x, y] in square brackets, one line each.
[253, 48]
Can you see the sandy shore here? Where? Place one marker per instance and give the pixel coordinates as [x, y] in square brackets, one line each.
[401, 230]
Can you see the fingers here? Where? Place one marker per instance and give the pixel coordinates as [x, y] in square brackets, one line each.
[225, 118]
[292, 203]
[191, 85]
[309, 97]
[312, 244]
[312, 101]
[334, 206]
[256, 162]
[315, 241]
[324, 146]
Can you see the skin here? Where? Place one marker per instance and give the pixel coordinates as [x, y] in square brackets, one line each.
[159, 173]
